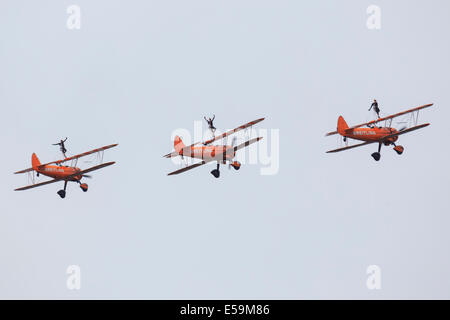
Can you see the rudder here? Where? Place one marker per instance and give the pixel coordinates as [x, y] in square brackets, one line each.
[178, 144]
[341, 126]
[35, 161]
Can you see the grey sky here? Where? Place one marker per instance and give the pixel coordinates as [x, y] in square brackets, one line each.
[137, 70]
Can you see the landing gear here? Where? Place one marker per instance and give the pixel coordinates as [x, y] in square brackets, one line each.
[216, 172]
[84, 187]
[377, 155]
[398, 149]
[62, 193]
[236, 165]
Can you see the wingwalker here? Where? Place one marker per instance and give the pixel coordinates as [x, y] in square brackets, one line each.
[59, 172]
[386, 135]
[209, 153]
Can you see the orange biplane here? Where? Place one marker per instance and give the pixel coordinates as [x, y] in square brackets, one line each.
[386, 135]
[58, 172]
[208, 153]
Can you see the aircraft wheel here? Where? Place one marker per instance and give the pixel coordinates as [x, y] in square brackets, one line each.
[62, 193]
[399, 149]
[215, 173]
[84, 187]
[376, 156]
[236, 165]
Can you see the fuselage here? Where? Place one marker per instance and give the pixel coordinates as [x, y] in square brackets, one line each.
[210, 153]
[60, 172]
[372, 134]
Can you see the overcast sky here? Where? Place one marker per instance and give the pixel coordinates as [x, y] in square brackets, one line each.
[137, 71]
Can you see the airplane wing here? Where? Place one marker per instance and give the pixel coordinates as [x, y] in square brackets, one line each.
[71, 158]
[246, 143]
[23, 171]
[223, 135]
[385, 118]
[351, 147]
[82, 154]
[37, 185]
[407, 130]
[187, 168]
[171, 155]
[92, 169]
[67, 178]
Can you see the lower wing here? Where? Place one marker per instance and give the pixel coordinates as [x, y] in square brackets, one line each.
[37, 185]
[407, 130]
[187, 168]
[246, 143]
[351, 147]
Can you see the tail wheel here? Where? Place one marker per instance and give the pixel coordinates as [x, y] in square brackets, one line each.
[399, 149]
[84, 187]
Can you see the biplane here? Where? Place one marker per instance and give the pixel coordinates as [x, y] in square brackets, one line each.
[372, 133]
[63, 173]
[207, 152]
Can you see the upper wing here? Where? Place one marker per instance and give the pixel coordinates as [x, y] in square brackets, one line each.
[351, 147]
[67, 178]
[407, 130]
[72, 158]
[83, 154]
[223, 135]
[385, 118]
[187, 168]
[246, 143]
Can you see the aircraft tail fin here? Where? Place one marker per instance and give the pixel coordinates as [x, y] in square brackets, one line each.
[35, 163]
[342, 126]
[178, 144]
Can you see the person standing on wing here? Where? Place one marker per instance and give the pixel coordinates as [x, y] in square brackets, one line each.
[62, 147]
[210, 124]
[375, 107]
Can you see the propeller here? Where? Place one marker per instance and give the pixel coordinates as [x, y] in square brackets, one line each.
[233, 144]
[87, 176]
